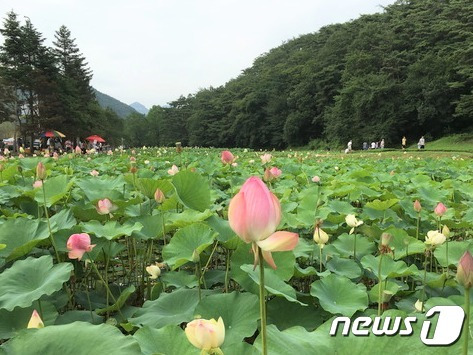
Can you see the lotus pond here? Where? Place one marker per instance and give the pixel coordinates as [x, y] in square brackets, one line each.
[136, 252]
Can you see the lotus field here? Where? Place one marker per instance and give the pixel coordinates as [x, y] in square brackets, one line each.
[199, 251]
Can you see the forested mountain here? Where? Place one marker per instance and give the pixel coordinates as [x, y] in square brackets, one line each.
[139, 108]
[44, 88]
[405, 71]
[121, 109]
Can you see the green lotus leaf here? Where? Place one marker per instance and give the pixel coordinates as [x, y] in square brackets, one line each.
[345, 267]
[180, 279]
[169, 309]
[168, 340]
[148, 186]
[20, 236]
[62, 220]
[239, 311]
[382, 205]
[344, 244]
[338, 295]
[97, 188]
[272, 283]
[192, 189]
[126, 293]
[187, 244]
[111, 229]
[56, 189]
[17, 319]
[152, 227]
[29, 279]
[72, 339]
[389, 267]
[456, 249]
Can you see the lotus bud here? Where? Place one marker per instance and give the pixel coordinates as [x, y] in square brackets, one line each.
[446, 232]
[316, 179]
[465, 270]
[35, 321]
[159, 196]
[206, 334]
[417, 206]
[386, 239]
[105, 206]
[40, 171]
[320, 237]
[440, 209]
[133, 169]
[227, 157]
[387, 295]
[266, 158]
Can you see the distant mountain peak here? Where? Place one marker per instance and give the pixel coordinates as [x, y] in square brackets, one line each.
[139, 107]
[120, 108]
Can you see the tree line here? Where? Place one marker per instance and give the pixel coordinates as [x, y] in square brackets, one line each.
[404, 72]
[44, 88]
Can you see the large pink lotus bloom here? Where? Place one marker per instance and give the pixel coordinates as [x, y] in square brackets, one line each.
[440, 209]
[227, 157]
[105, 206]
[254, 214]
[174, 170]
[78, 244]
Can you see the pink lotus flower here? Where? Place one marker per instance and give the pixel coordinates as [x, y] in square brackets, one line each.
[417, 206]
[41, 171]
[37, 184]
[159, 196]
[78, 150]
[132, 159]
[21, 156]
[266, 158]
[234, 165]
[440, 209]
[206, 335]
[227, 157]
[55, 156]
[78, 244]
[465, 270]
[105, 206]
[316, 179]
[254, 214]
[109, 152]
[94, 173]
[174, 170]
[35, 321]
[271, 174]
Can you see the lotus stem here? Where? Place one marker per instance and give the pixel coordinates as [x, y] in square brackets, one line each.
[466, 334]
[380, 284]
[227, 269]
[262, 302]
[51, 237]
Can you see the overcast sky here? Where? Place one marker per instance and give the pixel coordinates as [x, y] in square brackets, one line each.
[153, 51]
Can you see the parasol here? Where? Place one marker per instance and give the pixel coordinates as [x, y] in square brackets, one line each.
[52, 133]
[96, 138]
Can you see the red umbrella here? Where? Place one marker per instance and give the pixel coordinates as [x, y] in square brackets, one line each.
[96, 138]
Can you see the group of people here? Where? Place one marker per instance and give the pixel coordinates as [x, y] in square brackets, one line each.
[380, 144]
[420, 144]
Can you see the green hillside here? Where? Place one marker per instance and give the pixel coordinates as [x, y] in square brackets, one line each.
[404, 71]
[121, 109]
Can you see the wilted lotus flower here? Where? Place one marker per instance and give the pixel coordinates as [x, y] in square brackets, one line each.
[94, 173]
[159, 196]
[417, 206]
[320, 237]
[174, 170]
[105, 206]
[386, 239]
[35, 321]
[465, 270]
[316, 179]
[78, 244]
[254, 214]
[206, 334]
[227, 157]
[434, 238]
[353, 222]
[154, 271]
[440, 209]
[266, 158]
[37, 184]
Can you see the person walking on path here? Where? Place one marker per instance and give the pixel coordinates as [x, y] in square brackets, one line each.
[421, 144]
[404, 142]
